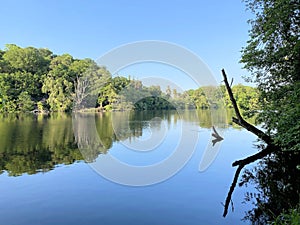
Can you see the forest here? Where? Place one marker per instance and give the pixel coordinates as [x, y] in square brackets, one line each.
[36, 80]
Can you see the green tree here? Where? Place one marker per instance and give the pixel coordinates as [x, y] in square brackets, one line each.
[58, 84]
[272, 55]
[24, 102]
[111, 94]
[27, 59]
[119, 83]
[198, 97]
[246, 98]
[21, 70]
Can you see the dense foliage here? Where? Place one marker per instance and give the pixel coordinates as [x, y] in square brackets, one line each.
[273, 58]
[32, 78]
[36, 79]
[272, 55]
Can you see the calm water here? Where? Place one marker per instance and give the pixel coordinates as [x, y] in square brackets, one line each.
[46, 180]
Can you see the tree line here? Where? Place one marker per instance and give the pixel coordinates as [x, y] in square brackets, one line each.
[35, 79]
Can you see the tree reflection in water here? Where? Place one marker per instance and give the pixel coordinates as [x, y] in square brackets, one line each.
[37, 143]
[31, 144]
[277, 181]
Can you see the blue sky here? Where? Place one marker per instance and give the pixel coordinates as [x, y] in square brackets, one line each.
[215, 30]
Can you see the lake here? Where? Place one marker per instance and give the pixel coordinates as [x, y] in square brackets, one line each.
[52, 169]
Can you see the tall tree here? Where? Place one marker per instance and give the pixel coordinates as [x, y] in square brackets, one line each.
[21, 75]
[272, 55]
[59, 83]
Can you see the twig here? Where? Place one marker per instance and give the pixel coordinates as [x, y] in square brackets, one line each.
[231, 82]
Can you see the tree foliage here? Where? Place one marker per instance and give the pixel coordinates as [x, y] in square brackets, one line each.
[32, 78]
[37, 79]
[272, 55]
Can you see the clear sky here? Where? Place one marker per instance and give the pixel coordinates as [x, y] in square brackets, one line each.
[215, 30]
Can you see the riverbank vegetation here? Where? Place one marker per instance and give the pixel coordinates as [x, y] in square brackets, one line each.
[37, 80]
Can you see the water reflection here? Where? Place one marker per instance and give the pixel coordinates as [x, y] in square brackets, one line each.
[277, 182]
[29, 144]
[34, 143]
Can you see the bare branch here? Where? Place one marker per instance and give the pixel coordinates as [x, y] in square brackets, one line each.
[239, 120]
[80, 91]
